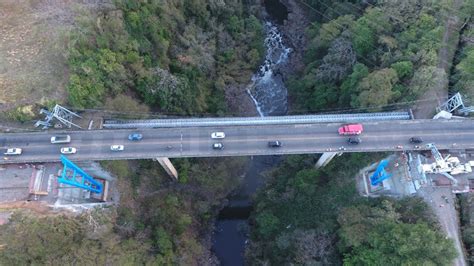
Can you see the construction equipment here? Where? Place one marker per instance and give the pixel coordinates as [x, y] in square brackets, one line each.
[62, 114]
[452, 105]
[447, 166]
[75, 176]
[380, 173]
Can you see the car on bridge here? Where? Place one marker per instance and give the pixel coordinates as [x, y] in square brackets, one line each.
[68, 150]
[218, 146]
[13, 151]
[135, 137]
[217, 135]
[61, 139]
[274, 144]
[117, 148]
[351, 129]
[354, 140]
[416, 140]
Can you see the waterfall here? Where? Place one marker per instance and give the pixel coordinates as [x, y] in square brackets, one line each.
[266, 88]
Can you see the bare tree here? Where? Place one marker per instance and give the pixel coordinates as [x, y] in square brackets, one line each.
[338, 62]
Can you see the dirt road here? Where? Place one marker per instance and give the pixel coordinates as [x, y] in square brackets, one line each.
[439, 93]
[442, 202]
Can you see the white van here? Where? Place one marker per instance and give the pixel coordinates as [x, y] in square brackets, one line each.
[61, 139]
[13, 151]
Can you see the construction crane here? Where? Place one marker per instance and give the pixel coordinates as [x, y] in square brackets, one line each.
[380, 174]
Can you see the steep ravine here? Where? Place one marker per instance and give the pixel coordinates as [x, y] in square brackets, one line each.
[267, 91]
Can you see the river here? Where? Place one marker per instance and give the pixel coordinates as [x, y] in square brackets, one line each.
[269, 94]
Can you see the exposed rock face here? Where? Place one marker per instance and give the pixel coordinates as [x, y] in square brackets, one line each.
[239, 102]
[294, 36]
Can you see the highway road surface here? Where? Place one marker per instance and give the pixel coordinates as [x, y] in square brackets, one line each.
[239, 140]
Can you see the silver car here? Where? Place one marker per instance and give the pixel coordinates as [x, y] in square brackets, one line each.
[117, 148]
[68, 150]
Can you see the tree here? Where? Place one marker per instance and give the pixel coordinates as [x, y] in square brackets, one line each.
[392, 232]
[349, 86]
[85, 91]
[338, 61]
[404, 69]
[26, 240]
[465, 73]
[376, 88]
[391, 243]
[267, 224]
[170, 92]
[363, 37]
[126, 104]
[312, 247]
[331, 30]
[427, 77]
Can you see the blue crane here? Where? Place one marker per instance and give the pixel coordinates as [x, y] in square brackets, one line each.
[380, 173]
[75, 176]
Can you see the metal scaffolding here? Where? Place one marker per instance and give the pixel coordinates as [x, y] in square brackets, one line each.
[62, 114]
[75, 176]
[455, 103]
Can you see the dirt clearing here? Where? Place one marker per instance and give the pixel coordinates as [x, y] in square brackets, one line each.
[32, 49]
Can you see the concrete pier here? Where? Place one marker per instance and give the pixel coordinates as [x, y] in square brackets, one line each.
[168, 166]
[325, 159]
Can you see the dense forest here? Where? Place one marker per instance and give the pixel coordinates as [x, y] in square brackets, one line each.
[364, 55]
[306, 216]
[463, 74]
[176, 56]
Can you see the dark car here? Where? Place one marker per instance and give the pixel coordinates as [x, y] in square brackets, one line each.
[416, 140]
[135, 136]
[354, 140]
[274, 144]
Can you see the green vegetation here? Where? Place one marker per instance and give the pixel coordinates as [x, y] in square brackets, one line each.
[467, 224]
[158, 221]
[464, 71]
[61, 240]
[369, 56]
[21, 114]
[175, 57]
[178, 57]
[307, 216]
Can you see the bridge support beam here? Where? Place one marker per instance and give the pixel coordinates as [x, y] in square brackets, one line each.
[325, 159]
[168, 166]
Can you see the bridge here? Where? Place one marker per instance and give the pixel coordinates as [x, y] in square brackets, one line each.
[192, 141]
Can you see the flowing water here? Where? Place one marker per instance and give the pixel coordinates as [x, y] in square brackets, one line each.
[267, 89]
[269, 94]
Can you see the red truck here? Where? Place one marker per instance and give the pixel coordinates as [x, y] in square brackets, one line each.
[351, 129]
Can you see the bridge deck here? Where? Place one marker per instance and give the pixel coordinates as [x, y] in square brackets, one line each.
[240, 140]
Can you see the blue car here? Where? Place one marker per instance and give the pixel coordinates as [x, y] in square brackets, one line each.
[135, 136]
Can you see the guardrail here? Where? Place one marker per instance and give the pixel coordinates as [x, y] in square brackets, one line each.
[249, 121]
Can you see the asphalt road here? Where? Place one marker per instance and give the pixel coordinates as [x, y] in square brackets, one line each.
[239, 140]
